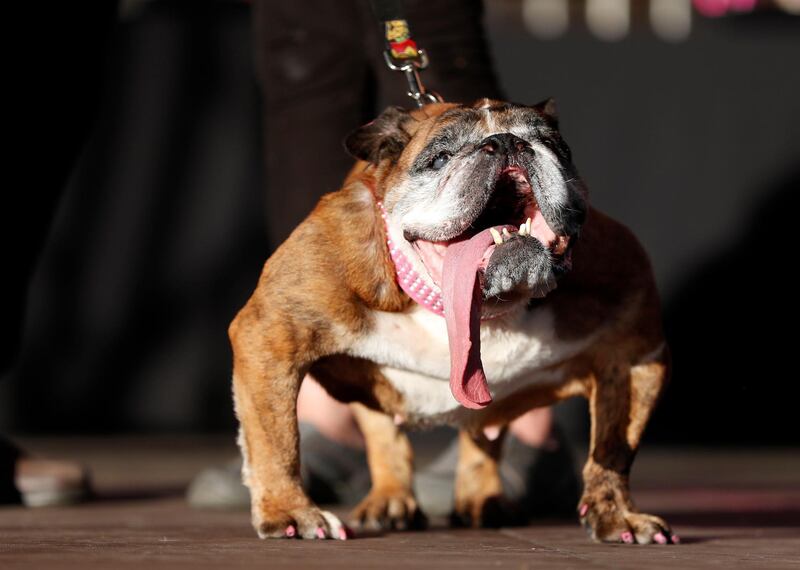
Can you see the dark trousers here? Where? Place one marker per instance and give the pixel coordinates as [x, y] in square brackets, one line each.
[54, 78]
[322, 74]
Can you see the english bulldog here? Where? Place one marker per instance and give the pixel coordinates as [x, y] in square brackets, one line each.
[458, 277]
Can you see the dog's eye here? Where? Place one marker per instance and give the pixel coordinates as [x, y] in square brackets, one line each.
[440, 160]
[559, 150]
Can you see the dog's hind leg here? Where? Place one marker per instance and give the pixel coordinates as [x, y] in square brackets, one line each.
[479, 499]
[390, 503]
[621, 400]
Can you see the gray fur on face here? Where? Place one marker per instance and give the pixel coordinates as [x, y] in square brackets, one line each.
[460, 193]
[521, 263]
[439, 204]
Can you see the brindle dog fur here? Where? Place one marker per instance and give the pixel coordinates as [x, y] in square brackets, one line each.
[330, 292]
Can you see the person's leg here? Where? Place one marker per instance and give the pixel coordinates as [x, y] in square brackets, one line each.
[333, 459]
[38, 482]
[9, 454]
[315, 84]
[331, 418]
[534, 428]
[57, 83]
[56, 87]
[316, 87]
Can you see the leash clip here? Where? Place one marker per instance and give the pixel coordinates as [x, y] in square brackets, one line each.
[411, 68]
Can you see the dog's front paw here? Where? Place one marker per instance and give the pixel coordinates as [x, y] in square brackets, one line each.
[493, 511]
[607, 521]
[521, 263]
[388, 510]
[299, 522]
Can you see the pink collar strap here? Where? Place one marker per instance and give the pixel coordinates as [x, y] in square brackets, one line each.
[408, 278]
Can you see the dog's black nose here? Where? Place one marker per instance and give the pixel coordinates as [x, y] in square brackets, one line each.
[505, 143]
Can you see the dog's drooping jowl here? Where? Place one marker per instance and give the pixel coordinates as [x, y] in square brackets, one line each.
[459, 277]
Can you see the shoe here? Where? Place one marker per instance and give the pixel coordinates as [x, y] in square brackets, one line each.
[9, 494]
[36, 482]
[219, 488]
[542, 481]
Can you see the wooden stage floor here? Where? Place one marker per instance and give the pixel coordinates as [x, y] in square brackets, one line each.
[732, 509]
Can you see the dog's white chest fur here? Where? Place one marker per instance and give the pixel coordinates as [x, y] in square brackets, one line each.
[517, 350]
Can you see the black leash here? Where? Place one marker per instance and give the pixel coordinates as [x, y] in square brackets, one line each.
[402, 53]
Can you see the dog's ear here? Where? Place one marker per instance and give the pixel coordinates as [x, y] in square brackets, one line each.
[383, 138]
[549, 109]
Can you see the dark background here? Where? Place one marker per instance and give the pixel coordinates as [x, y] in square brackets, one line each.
[159, 235]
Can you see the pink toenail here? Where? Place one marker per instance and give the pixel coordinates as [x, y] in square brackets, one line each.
[584, 509]
[676, 539]
[320, 532]
[626, 537]
[291, 531]
[342, 534]
[660, 538]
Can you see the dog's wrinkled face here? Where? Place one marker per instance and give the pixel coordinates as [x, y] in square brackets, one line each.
[491, 171]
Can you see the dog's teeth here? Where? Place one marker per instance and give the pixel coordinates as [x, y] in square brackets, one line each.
[506, 235]
[496, 236]
[528, 224]
[523, 229]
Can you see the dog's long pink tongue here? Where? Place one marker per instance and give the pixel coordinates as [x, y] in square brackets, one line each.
[462, 311]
